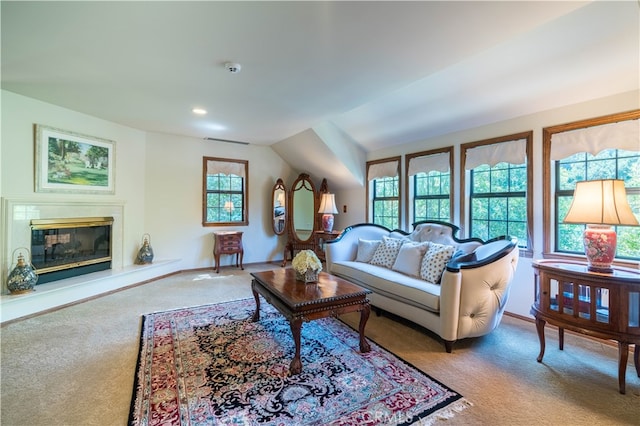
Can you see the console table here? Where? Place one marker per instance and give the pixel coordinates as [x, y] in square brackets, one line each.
[322, 237]
[227, 242]
[605, 306]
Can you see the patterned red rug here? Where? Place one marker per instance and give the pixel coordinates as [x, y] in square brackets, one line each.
[210, 365]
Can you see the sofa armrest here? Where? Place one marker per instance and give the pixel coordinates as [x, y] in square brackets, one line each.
[484, 292]
[485, 254]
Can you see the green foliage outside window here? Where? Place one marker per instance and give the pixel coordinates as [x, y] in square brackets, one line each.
[386, 202]
[431, 196]
[224, 198]
[608, 164]
[499, 202]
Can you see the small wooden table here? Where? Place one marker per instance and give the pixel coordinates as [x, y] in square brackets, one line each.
[300, 302]
[606, 306]
[227, 242]
[321, 237]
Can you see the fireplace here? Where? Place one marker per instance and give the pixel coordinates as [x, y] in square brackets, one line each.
[68, 247]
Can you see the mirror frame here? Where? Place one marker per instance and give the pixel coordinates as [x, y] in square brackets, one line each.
[303, 181]
[279, 186]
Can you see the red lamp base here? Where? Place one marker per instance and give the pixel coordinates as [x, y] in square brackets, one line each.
[327, 222]
[600, 247]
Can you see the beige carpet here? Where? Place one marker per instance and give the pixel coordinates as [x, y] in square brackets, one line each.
[75, 366]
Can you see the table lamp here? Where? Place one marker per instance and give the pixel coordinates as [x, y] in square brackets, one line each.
[600, 204]
[328, 209]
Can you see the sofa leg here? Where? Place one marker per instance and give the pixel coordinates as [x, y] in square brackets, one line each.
[448, 345]
[378, 311]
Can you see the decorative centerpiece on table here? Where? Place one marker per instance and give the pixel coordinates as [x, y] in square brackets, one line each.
[307, 266]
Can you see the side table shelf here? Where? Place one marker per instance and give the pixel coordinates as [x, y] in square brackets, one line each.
[605, 306]
[227, 242]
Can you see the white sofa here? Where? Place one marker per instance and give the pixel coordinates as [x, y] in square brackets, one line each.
[468, 300]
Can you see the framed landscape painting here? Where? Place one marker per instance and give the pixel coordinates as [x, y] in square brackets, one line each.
[73, 163]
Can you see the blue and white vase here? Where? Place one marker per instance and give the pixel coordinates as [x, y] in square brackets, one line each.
[23, 278]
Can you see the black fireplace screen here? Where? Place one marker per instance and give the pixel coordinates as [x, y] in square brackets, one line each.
[62, 248]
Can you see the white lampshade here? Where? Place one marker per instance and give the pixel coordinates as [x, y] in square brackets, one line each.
[601, 202]
[328, 204]
[228, 206]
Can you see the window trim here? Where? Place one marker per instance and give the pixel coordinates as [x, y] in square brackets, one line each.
[409, 201]
[528, 136]
[548, 184]
[369, 206]
[245, 192]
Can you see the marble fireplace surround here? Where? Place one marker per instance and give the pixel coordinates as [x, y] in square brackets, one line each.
[17, 215]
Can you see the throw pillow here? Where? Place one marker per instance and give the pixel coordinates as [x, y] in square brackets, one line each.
[386, 252]
[434, 262]
[366, 249]
[410, 258]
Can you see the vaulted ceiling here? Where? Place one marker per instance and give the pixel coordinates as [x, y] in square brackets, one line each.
[376, 74]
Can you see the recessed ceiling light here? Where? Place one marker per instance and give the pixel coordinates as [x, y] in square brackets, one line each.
[199, 111]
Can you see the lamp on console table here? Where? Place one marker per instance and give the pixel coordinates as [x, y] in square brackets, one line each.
[600, 204]
[328, 209]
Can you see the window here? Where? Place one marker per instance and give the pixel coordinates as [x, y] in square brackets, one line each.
[598, 148]
[384, 185]
[499, 187]
[225, 183]
[608, 164]
[430, 193]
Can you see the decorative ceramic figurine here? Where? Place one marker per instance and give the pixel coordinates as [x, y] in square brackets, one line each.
[23, 278]
[145, 255]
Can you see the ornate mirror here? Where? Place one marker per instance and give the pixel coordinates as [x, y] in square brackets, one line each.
[302, 209]
[279, 210]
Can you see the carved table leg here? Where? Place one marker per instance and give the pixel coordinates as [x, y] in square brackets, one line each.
[296, 363]
[256, 314]
[364, 316]
[540, 323]
[636, 358]
[623, 356]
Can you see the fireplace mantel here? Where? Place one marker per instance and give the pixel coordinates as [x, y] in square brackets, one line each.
[17, 214]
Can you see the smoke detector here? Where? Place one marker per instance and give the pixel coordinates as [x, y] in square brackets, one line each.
[232, 67]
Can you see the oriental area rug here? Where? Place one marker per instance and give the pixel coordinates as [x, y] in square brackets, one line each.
[211, 365]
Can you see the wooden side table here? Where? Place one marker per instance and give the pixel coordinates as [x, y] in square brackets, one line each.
[606, 306]
[227, 242]
[321, 237]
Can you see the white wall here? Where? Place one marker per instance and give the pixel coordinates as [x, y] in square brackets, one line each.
[19, 114]
[522, 290]
[173, 199]
[158, 189]
[159, 180]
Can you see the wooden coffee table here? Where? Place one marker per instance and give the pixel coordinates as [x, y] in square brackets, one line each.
[300, 302]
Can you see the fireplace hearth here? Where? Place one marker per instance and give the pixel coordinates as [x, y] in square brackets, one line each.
[64, 248]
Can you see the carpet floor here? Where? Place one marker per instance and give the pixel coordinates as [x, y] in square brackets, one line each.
[211, 365]
[76, 365]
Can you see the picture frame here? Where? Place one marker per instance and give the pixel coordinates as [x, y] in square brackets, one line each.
[70, 162]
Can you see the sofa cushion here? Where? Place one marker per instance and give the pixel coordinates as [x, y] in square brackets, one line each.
[386, 282]
[410, 258]
[387, 252]
[366, 249]
[434, 262]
